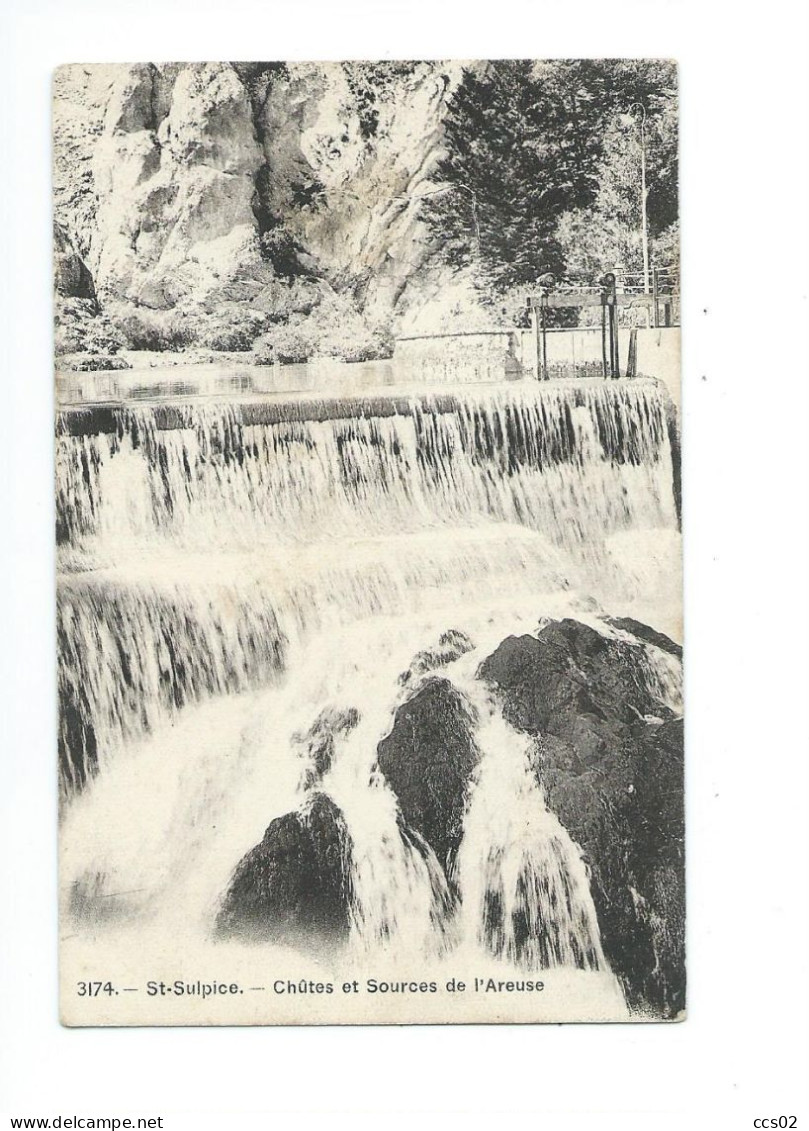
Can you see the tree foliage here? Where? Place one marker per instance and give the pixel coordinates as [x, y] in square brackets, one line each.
[539, 152]
[372, 84]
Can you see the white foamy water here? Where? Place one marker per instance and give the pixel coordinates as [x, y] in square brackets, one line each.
[223, 582]
[578, 462]
[525, 889]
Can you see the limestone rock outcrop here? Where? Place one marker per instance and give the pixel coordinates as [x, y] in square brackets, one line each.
[173, 172]
[209, 201]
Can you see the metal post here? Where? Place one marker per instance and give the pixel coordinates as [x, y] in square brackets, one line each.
[612, 300]
[546, 285]
[656, 296]
[609, 303]
[537, 341]
[632, 355]
[543, 307]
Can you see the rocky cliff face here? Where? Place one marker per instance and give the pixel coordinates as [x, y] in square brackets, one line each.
[198, 202]
[348, 155]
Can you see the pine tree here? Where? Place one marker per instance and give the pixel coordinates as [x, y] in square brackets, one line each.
[525, 147]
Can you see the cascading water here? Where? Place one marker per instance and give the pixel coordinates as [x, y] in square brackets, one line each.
[229, 572]
[526, 892]
[577, 462]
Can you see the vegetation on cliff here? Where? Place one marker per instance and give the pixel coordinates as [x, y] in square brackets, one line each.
[286, 211]
[542, 169]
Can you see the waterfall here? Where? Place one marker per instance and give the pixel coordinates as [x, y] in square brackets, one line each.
[169, 514]
[518, 890]
[576, 462]
[232, 573]
[526, 892]
[139, 641]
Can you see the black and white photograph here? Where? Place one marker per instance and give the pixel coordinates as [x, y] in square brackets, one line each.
[369, 614]
[403, 573]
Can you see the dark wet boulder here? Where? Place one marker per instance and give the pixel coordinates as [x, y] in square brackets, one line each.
[627, 816]
[428, 759]
[294, 887]
[456, 640]
[317, 744]
[649, 635]
[609, 757]
[451, 645]
[569, 672]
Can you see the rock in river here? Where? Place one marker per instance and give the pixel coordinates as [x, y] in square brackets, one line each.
[293, 888]
[609, 756]
[428, 759]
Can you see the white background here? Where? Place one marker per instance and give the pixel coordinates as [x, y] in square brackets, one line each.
[743, 1051]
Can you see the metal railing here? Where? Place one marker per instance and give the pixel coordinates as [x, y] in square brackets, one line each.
[665, 279]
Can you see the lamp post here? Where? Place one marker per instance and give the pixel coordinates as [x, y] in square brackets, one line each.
[643, 194]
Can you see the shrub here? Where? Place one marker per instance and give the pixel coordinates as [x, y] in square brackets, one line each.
[79, 327]
[159, 330]
[280, 299]
[334, 328]
[666, 246]
[91, 363]
[231, 329]
[285, 342]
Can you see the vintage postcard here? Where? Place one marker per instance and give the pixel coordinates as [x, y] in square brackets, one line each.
[368, 542]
